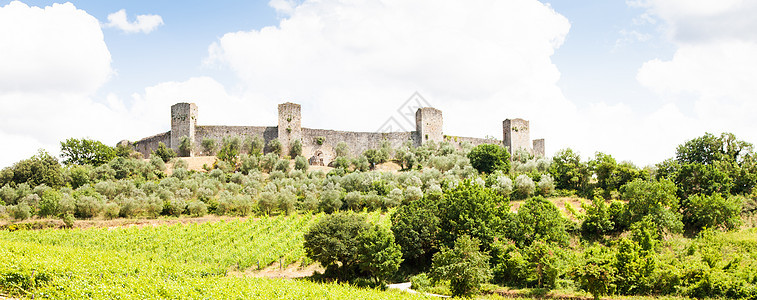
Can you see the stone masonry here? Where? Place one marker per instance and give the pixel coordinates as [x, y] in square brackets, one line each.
[318, 144]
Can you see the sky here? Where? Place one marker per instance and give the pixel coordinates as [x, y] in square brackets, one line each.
[630, 78]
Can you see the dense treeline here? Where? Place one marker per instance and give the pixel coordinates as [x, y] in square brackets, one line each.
[449, 208]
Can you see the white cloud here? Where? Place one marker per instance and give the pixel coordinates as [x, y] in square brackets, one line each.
[144, 23]
[53, 49]
[713, 73]
[284, 7]
[352, 63]
[52, 60]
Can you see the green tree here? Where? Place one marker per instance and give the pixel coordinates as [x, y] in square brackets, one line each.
[376, 157]
[39, 169]
[597, 274]
[296, 148]
[275, 146]
[230, 150]
[539, 219]
[164, 152]
[568, 171]
[714, 211]
[474, 210]
[300, 163]
[654, 199]
[465, 266]
[598, 220]
[415, 227]
[86, 152]
[487, 158]
[342, 149]
[209, 146]
[378, 254]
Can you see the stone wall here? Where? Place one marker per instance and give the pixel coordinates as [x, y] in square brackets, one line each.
[357, 141]
[183, 123]
[516, 135]
[539, 147]
[148, 144]
[428, 125]
[217, 133]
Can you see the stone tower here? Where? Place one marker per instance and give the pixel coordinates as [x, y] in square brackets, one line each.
[516, 135]
[290, 125]
[183, 123]
[539, 148]
[428, 125]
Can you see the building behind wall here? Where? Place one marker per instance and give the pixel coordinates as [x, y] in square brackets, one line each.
[319, 144]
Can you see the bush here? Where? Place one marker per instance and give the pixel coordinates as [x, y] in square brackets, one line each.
[282, 165]
[197, 208]
[713, 211]
[274, 146]
[539, 220]
[546, 185]
[655, 199]
[296, 148]
[568, 171]
[185, 146]
[300, 163]
[413, 193]
[333, 242]
[524, 186]
[165, 153]
[597, 274]
[257, 146]
[465, 266]
[598, 220]
[230, 150]
[21, 212]
[420, 282]
[39, 169]
[379, 256]
[111, 210]
[209, 146]
[487, 158]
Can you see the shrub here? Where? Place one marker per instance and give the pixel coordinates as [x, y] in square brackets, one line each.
[341, 162]
[597, 274]
[656, 199]
[197, 208]
[88, 206]
[503, 185]
[185, 146]
[539, 220]
[465, 266]
[375, 157]
[598, 220]
[416, 228]
[158, 163]
[413, 193]
[230, 150]
[39, 169]
[546, 185]
[524, 186]
[22, 211]
[49, 202]
[378, 255]
[300, 163]
[713, 211]
[333, 242]
[331, 200]
[268, 162]
[487, 158]
[420, 282]
[209, 146]
[354, 200]
[568, 171]
[282, 165]
[296, 148]
[274, 146]
[165, 153]
[111, 210]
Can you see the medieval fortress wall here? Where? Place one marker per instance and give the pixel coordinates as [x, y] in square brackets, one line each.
[319, 144]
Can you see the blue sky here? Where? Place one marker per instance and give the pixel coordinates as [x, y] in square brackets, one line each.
[631, 78]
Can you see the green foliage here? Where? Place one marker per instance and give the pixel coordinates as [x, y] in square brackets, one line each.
[185, 146]
[296, 148]
[714, 211]
[86, 152]
[375, 156]
[598, 220]
[209, 146]
[473, 210]
[611, 175]
[539, 220]
[165, 153]
[230, 150]
[524, 186]
[39, 169]
[346, 244]
[487, 158]
[300, 163]
[568, 171]
[415, 227]
[597, 274]
[654, 199]
[465, 266]
[274, 146]
[634, 267]
[378, 255]
[256, 148]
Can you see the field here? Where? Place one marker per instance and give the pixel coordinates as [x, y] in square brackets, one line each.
[181, 261]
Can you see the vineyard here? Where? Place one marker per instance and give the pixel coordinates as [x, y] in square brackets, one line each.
[175, 261]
